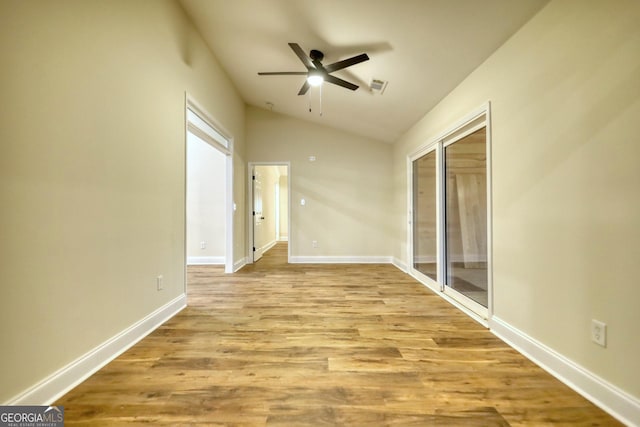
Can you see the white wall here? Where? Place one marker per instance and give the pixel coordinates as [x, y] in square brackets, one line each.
[565, 95]
[347, 189]
[92, 172]
[206, 219]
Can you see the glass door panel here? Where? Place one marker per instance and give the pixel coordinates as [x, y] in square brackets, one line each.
[425, 244]
[465, 163]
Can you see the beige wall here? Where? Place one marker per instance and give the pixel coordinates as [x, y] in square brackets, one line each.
[92, 178]
[565, 94]
[347, 189]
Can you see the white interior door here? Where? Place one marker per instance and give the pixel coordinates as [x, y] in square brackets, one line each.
[258, 215]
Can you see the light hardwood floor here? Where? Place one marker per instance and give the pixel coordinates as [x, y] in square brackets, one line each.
[316, 345]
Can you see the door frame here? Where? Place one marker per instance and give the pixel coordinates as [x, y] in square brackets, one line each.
[202, 113]
[453, 133]
[250, 168]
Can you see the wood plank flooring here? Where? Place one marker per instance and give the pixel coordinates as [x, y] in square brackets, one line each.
[322, 345]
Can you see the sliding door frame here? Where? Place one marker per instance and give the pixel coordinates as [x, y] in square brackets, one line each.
[463, 127]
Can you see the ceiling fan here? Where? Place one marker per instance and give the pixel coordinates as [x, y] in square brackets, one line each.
[316, 72]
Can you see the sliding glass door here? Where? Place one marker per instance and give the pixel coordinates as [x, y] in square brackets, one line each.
[425, 214]
[465, 165]
[450, 235]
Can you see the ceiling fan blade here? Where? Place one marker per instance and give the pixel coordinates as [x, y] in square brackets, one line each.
[300, 53]
[284, 73]
[346, 63]
[337, 81]
[305, 88]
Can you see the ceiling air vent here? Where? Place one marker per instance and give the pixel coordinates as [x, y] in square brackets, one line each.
[378, 86]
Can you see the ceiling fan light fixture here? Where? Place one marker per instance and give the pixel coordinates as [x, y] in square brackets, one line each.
[315, 79]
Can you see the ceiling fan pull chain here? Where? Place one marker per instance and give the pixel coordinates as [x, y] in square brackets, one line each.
[321, 100]
[309, 97]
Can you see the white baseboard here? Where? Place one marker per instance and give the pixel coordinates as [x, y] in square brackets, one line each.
[401, 265]
[283, 239]
[268, 246]
[340, 260]
[62, 381]
[610, 398]
[205, 260]
[239, 264]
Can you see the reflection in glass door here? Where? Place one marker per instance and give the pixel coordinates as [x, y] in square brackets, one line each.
[465, 163]
[425, 244]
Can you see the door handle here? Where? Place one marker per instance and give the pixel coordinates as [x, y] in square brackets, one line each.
[261, 217]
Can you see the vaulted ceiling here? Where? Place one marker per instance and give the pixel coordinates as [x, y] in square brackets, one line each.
[422, 48]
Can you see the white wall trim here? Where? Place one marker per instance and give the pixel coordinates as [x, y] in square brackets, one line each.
[268, 246]
[239, 264]
[401, 265]
[283, 239]
[618, 403]
[206, 260]
[340, 260]
[62, 381]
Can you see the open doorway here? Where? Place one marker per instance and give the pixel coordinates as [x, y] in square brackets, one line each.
[209, 199]
[269, 189]
[206, 225]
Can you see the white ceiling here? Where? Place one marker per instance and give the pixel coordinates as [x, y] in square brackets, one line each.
[423, 48]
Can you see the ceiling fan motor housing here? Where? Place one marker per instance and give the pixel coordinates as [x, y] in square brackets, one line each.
[316, 55]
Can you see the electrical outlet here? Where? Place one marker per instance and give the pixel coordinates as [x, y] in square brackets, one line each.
[314, 243]
[159, 283]
[203, 245]
[599, 332]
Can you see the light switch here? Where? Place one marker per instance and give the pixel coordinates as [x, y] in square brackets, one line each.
[303, 202]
